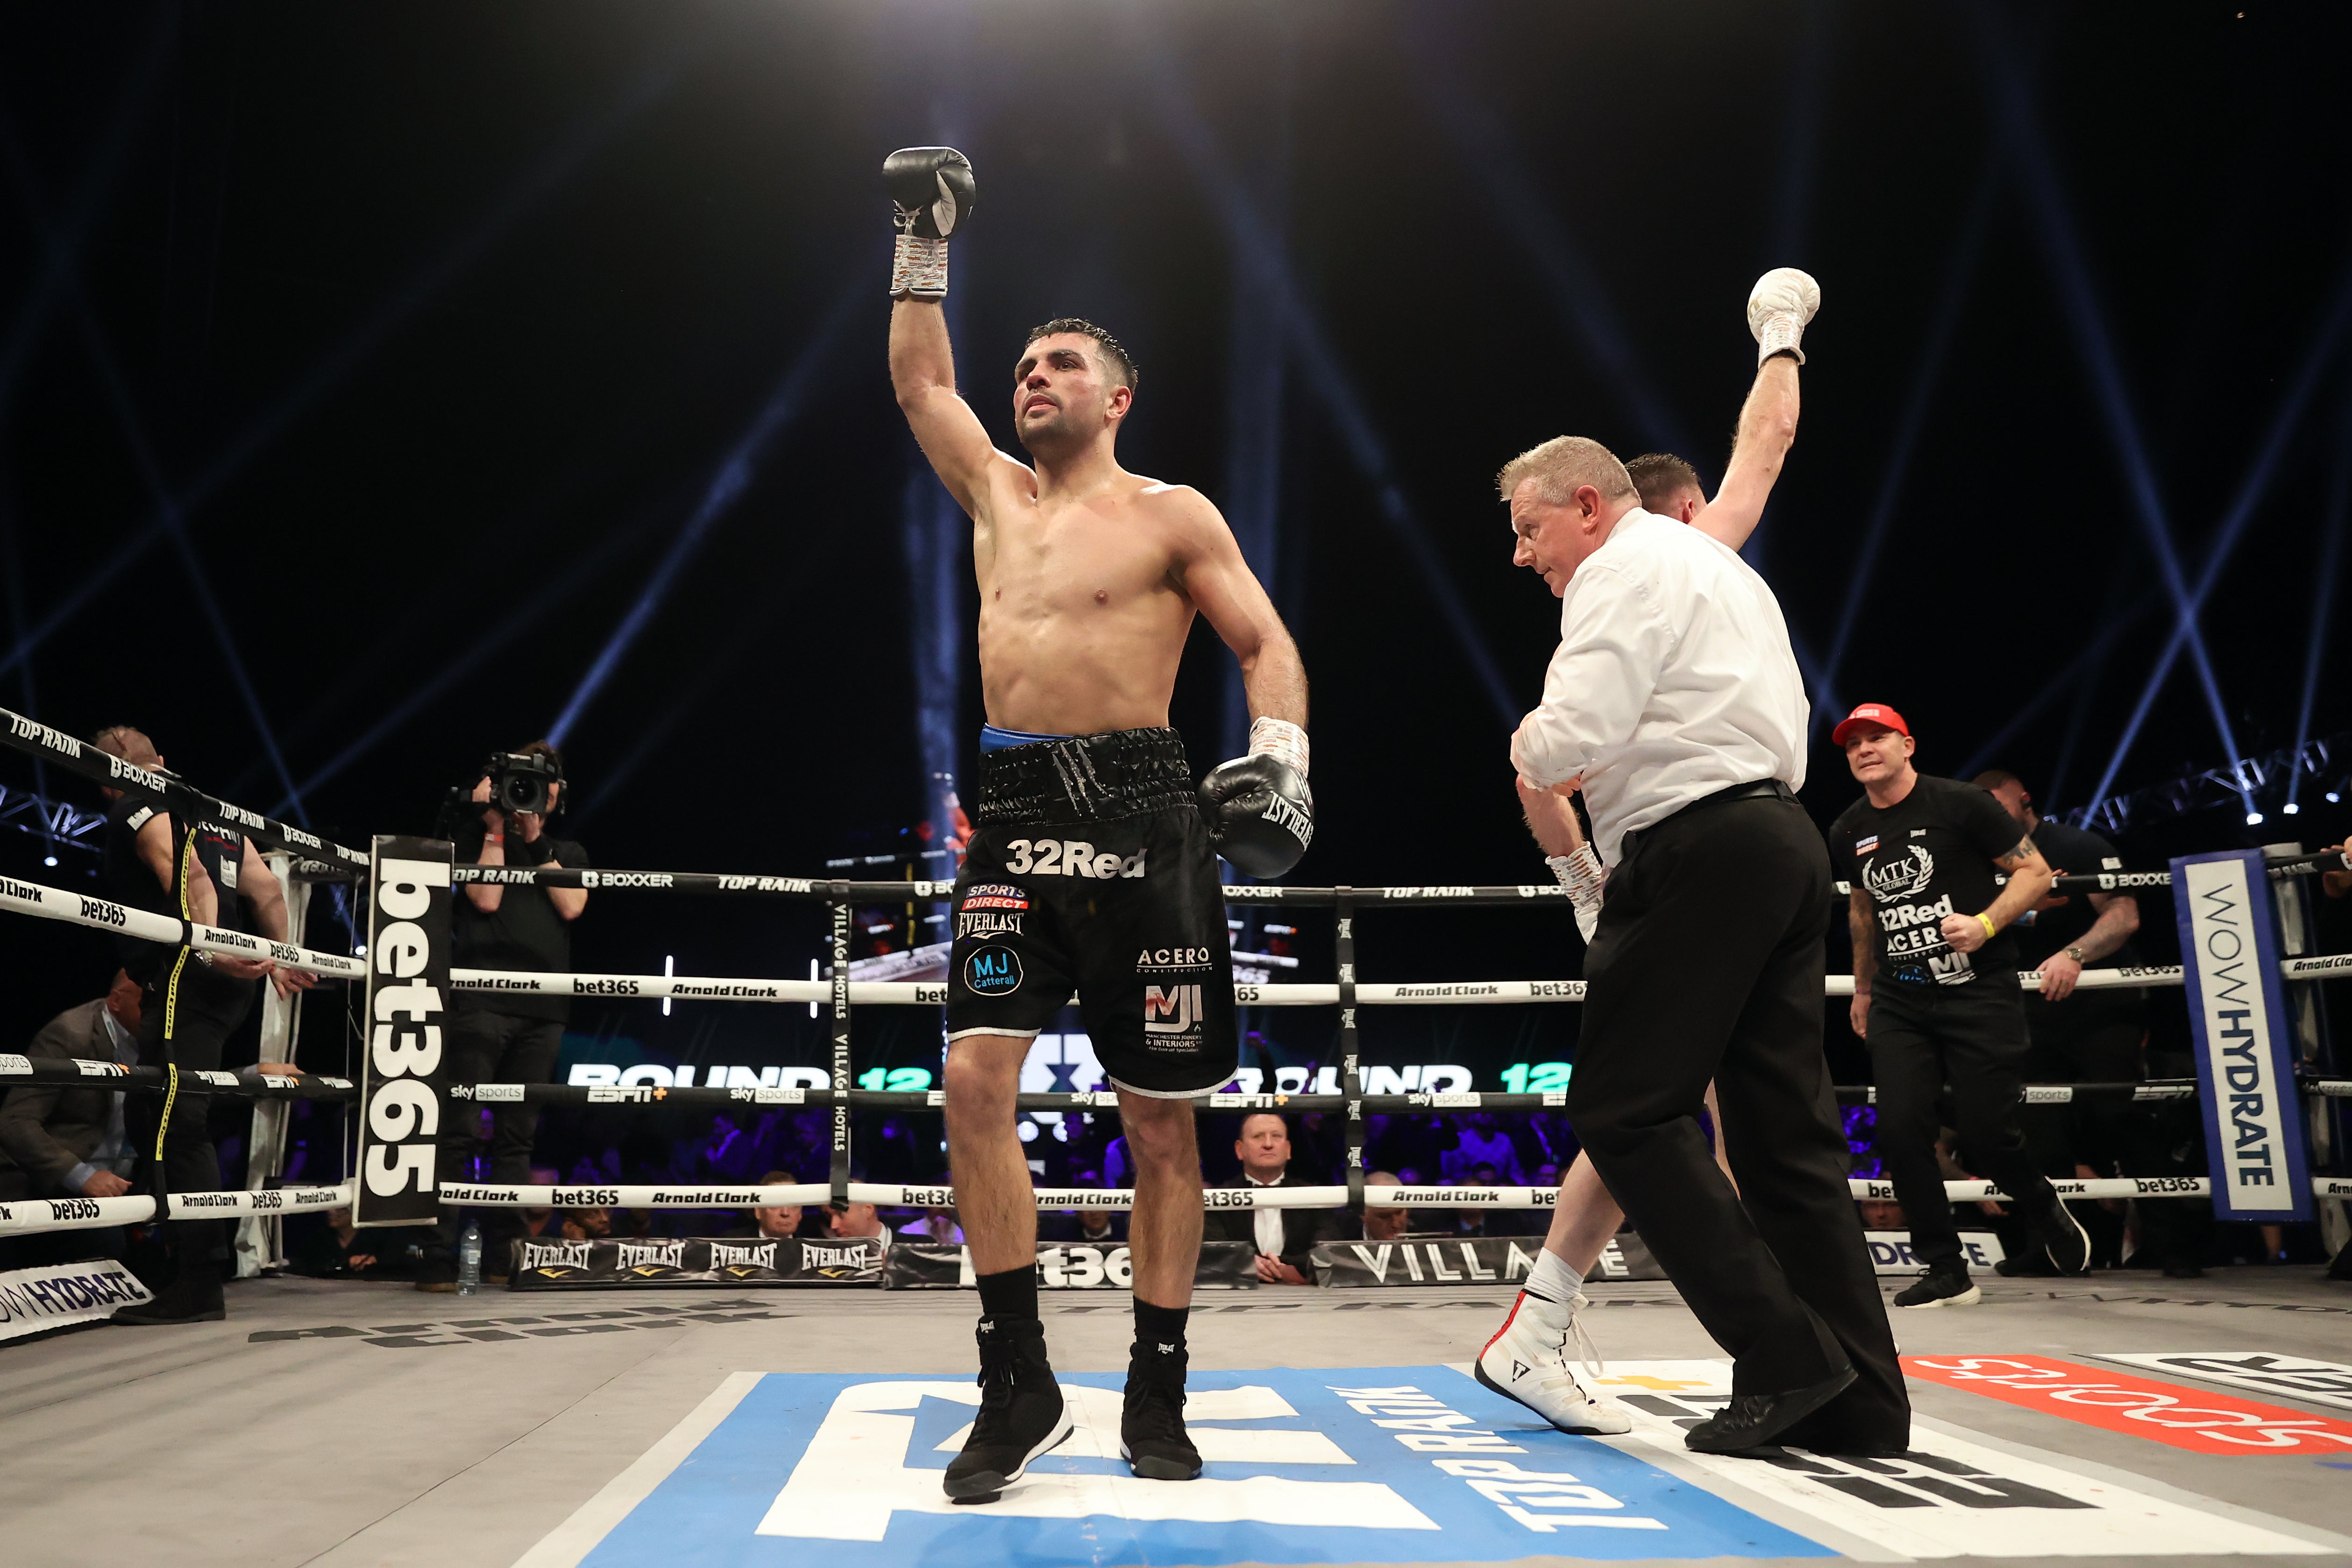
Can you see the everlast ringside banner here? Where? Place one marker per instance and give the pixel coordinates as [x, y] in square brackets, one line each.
[2237, 1013]
[554, 1263]
[1064, 1266]
[405, 1017]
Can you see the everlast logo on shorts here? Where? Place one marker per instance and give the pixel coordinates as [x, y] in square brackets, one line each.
[1052, 857]
[988, 922]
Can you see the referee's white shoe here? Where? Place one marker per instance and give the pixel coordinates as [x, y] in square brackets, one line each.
[1527, 1360]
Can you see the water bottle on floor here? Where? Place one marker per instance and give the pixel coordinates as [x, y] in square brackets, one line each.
[469, 1261]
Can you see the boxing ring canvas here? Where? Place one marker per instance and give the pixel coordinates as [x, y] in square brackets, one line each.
[1304, 1466]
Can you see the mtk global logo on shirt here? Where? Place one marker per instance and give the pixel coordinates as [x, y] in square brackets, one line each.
[1899, 878]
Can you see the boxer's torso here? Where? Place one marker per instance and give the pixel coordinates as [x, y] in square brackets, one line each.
[1082, 613]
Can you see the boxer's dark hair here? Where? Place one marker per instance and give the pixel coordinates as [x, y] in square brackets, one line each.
[1110, 352]
[1994, 778]
[1657, 475]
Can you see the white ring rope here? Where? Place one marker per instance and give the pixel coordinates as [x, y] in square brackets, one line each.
[1440, 993]
[87, 1213]
[80, 909]
[895, 1195]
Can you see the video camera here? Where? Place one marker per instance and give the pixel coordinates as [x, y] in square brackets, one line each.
[519, 781]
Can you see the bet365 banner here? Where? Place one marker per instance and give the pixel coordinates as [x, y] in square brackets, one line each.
[406, 1018]
[2245, 1060]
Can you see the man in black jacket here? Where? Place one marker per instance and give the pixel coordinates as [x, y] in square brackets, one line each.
[500, 1038]
[1284, 1236]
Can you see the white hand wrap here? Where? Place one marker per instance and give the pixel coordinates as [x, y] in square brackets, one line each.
[1583, 876]
[920, 268]
[1281, 739]
[1784, 300]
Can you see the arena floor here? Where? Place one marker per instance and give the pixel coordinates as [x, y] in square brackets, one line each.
[352, 1424]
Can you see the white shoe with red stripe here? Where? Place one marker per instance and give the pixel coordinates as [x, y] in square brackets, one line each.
[1529, 1362]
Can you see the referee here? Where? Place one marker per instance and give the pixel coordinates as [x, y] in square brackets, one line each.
[1935, 990]
[1673, 703]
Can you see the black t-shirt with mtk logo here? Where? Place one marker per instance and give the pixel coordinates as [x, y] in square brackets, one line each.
[1927, 856]
[525, 933]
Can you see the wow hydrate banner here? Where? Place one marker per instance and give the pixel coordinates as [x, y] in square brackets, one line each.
[2245, 1064]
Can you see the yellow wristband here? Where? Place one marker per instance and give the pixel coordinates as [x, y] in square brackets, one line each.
[1992, 931]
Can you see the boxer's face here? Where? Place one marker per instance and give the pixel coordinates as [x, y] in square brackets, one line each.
[1875, 753]
[1061, 397]
[2015, 802]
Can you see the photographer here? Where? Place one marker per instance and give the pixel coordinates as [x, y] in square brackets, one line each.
[504, 1038]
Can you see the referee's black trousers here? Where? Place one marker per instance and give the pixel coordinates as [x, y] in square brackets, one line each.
[1708, 964]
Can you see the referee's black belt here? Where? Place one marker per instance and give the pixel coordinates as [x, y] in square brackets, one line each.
[1761, 789]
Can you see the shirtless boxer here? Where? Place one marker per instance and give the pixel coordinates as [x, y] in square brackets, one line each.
[1529, 1357]
[1092, 867]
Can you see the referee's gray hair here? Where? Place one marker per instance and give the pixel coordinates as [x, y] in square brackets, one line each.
[1561, 467]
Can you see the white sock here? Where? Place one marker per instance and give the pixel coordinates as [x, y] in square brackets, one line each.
[1551, 1285]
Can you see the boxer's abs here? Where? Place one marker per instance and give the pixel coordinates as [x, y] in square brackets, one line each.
[1080, 639]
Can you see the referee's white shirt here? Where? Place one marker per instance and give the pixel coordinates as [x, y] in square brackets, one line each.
[1674, 679]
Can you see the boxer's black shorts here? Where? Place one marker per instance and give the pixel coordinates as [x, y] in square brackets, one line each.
[1090, 871]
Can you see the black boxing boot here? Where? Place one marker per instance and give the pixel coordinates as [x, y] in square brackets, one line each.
[1151, 1436]
[1022, 1414]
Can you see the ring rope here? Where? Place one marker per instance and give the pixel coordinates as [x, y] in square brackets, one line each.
[77, 757]
[87, 1213]
[896, 1195]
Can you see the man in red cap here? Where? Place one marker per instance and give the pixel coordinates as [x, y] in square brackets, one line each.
[1935, 989]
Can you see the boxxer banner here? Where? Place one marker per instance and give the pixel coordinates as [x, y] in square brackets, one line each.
[405, 1019]
[2245, 1062]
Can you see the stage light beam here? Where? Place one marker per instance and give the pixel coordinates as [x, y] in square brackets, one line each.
[726, 486]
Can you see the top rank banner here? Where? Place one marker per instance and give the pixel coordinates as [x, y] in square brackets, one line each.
[406, 1014]
[2245, 1062]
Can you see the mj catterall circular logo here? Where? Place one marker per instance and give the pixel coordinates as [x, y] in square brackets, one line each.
[992, 972]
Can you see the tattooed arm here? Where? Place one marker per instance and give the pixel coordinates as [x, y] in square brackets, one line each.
[2030, 877]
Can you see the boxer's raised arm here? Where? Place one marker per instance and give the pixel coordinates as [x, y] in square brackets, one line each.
[922, 372]
[1212, 574]
[1768, 428]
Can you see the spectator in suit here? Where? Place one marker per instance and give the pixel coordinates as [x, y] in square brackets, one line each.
[60, 1141]
[1284, 1236]
[860, 1220]
[776, 1221]
[1383, 1223]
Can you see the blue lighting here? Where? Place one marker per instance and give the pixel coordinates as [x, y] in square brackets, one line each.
[727, 483]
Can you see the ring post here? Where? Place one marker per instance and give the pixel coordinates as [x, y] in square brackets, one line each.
[1351, 1078]
[839, 904]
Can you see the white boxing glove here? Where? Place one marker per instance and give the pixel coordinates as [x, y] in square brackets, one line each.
[1779, 305]
[1582, 874]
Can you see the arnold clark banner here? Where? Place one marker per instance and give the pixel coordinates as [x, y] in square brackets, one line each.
[2245, 1067]
[406, 1014]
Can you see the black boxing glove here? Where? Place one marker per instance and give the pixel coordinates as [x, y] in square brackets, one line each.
[1261, 813]
[932, 189]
